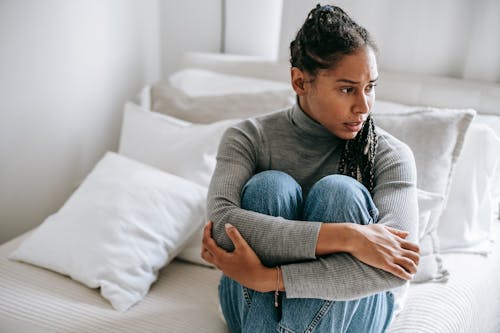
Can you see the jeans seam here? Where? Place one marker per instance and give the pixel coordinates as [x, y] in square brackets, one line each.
[321, 313]
[246, 296]
[373, 214]
[282, 329]
[314, 323]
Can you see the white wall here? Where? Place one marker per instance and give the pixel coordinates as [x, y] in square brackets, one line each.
[456, 38]
[188, 25]
[294, 15]
[66, 69]
[253, 27]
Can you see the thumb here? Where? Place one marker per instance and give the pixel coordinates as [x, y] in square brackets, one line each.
[235, 236]
[397, 232]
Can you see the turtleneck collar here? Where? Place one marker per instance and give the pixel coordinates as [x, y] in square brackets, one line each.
[310, 127]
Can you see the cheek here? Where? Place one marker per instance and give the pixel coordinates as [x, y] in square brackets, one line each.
[333, 101]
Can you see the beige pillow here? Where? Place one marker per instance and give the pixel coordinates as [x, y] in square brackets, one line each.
[205, 97]
[436, 137]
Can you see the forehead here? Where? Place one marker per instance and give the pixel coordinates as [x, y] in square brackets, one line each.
[358, 66]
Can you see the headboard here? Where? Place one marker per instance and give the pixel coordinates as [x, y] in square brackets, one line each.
[405, 88]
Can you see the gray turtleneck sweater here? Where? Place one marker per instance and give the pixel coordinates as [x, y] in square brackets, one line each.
[290, 141]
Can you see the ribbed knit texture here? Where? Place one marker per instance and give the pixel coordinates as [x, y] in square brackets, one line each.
[290, 141]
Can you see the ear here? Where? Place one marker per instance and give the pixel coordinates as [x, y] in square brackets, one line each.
[299, 79]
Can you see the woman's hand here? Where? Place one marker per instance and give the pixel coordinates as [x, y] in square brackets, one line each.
[241, 265]
[385, 248]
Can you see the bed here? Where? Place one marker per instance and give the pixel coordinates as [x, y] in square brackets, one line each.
[455, 292]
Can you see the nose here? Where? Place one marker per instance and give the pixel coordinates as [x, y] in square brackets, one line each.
[362, 103]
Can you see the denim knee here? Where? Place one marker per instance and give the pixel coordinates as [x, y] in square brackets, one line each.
[273, 193]
[340, 198]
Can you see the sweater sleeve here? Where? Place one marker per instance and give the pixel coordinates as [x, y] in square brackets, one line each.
[275, 240]
[340, 276]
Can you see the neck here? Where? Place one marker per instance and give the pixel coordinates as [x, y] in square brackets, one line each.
[304, 106]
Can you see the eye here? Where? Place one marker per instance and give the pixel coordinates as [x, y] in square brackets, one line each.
[371, 87]
[347, 90]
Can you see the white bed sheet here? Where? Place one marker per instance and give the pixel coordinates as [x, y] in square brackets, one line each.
[32, 299]
[469, 302]
[184, 299]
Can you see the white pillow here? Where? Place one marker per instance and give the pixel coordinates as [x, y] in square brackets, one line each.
[179, 147]
[192, 251]
[124, 222]
[430, 266]
[428, 204]
[465, 225]
[474, 197]
[436, 137]
[200, 82]
[201, 96]
[493, 122]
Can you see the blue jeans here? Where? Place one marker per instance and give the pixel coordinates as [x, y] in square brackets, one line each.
[334, 198]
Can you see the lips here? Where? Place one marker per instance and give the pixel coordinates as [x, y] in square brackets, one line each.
[354, 126]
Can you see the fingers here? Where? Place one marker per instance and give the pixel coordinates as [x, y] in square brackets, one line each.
[405, 244]
[235, 236]
[410, 246]
[407, 264]
[207, 240]
[400, 272]
[397, 232]
[209, 244]
[205, 253]
[207, 256]
[412, 255]
[207, 232]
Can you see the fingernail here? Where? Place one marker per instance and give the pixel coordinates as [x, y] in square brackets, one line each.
[228, 225]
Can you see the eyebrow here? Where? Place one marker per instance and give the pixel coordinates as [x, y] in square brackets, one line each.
[355, 82]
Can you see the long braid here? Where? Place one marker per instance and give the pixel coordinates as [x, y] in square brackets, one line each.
[358, 157]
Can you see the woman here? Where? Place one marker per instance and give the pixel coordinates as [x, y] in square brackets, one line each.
[314, 209]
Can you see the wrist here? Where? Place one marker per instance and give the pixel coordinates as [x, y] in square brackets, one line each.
[270, 278]
[353, 231]
[265, 279]
[336, 237]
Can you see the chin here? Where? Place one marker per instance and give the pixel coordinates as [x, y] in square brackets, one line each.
[348, 136]
[343, 134]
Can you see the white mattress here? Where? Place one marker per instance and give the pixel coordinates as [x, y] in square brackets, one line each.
[468, 302]
[184, 299]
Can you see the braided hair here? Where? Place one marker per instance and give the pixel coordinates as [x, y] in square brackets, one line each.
[326, 36]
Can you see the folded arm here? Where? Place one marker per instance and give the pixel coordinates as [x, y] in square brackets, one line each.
[275, 240]
[343, 276]
[346, 271]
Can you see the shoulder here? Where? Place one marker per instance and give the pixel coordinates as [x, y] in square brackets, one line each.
[393, 154]
[259, 126]
[391, 146]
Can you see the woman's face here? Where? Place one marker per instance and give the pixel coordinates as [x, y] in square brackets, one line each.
[340, 98]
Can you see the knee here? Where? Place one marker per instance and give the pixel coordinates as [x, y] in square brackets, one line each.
[341, 198]
[340, 186]
[271, 189]
[271, 184]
